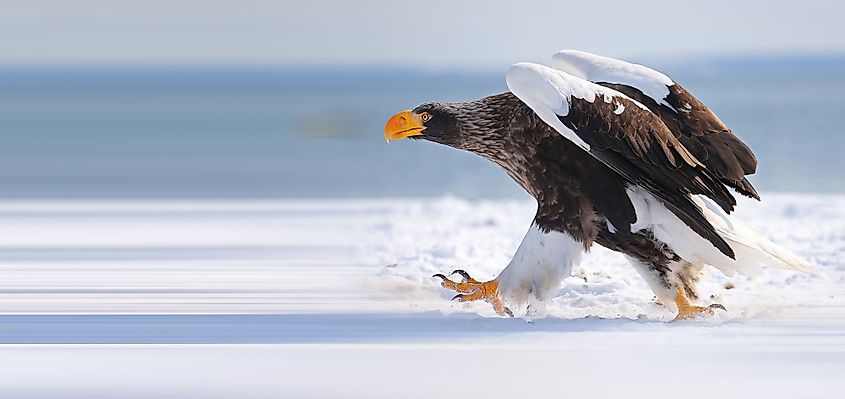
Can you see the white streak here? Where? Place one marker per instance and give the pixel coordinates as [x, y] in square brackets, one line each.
[610, 227]
[619, 109]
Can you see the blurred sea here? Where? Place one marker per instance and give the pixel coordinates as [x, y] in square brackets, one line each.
[269, 133]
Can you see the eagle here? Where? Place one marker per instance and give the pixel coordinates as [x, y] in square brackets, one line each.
[615, 154]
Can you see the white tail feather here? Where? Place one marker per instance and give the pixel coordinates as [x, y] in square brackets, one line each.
[750, 247]
[752, 250]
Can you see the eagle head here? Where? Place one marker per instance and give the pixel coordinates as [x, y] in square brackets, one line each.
[437, 122]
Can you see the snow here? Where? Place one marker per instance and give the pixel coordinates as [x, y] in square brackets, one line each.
[481, 237]
[334, 298]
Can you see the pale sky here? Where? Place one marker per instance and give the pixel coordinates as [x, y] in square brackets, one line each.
[423, 33]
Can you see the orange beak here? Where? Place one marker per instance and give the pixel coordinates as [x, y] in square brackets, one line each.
[403, 124]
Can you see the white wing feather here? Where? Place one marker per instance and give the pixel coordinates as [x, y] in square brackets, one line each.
[596, 68]
[549, 91]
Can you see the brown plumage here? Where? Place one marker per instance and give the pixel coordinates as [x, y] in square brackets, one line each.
[703, 134]
[577, 192]
[639, 147]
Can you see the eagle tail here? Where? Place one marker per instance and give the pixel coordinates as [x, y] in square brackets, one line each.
[700, 224]
[752, 249]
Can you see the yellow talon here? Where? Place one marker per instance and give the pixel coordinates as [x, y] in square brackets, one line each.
[686, 310]
[473, 290]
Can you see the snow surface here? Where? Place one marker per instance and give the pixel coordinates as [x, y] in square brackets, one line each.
[335, 299]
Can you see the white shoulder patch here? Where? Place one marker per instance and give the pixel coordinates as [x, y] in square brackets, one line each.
[549, 92]
[596, 68]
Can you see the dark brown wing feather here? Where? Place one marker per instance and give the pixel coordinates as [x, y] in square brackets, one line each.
[703, 134]
[637, 145]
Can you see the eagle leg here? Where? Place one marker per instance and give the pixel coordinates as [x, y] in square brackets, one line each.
[688, 311]
[473, 290]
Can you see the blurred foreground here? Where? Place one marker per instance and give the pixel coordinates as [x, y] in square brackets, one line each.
[334, 298]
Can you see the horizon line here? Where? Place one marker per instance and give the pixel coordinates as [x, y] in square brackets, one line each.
[398, 67]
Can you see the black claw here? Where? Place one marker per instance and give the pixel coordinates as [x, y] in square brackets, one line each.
[440, 275]
[717, 306]
[508, 312]
[457, 296]
[463, 274]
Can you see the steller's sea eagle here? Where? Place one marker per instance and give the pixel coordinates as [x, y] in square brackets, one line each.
[614, 153]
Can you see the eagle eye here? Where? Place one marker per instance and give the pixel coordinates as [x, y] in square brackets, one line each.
[425, 116]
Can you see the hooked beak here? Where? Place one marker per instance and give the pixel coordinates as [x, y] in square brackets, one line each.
[403, 124]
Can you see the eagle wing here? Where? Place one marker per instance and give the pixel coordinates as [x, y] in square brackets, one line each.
[627, 137]
[692, 123]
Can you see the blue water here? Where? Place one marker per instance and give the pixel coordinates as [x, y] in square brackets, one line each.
[261, 133]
